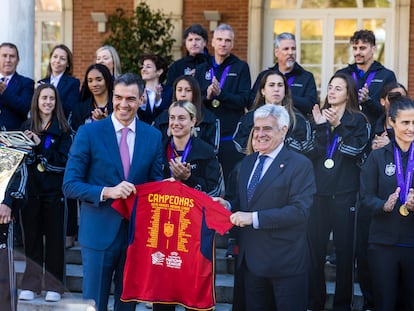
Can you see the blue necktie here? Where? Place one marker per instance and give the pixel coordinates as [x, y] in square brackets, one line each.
[256, 177]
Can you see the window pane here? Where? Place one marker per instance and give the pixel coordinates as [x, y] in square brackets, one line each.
[378, 27]
[46, 49]
[311, 53]
[377, 3]
[283, 4]
[312, 4]
[51, 31]
[311, 29]
[344, 29]
[316, 71]
[280, 26]
[48, 5]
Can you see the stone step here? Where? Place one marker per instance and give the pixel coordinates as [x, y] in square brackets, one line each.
[224, 282]
[74, 302]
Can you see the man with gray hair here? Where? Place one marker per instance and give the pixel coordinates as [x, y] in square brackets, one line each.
[301, 82]
[225, 86]
[275, 193]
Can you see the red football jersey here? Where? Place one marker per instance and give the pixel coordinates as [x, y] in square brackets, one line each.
[170, 257]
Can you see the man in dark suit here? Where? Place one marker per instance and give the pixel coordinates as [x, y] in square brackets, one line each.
[275, 192]
[16, 91]
[96, 175]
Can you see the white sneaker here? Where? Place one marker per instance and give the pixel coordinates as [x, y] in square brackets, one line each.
[52, 296]
[148, 305]
[26, 295]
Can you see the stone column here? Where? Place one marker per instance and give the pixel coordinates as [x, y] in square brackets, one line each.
[17, 20]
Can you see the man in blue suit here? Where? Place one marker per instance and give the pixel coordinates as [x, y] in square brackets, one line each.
[95, 176]
[16, 91]
[275, 193]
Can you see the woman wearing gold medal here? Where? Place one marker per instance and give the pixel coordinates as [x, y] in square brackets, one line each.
[387, 192]
[188, 158]
[340, 135]
[43, 214]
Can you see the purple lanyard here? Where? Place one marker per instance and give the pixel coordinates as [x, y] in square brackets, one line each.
[223, 75]
[48, 141]
[290, 81]
[368, 80]
[331, 147]
[404, 186]
[185, 152]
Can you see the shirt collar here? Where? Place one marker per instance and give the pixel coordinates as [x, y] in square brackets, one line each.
[55, 79]
[118, 126]
[275, 152]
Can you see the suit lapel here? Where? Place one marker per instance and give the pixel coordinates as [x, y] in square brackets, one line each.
[276, 168]
[245, 172]
[140, 140]
[111, 144]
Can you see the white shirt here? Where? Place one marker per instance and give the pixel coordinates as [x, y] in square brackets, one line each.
[130, 139]
[131, 134]
[55, 80]
[271, 156]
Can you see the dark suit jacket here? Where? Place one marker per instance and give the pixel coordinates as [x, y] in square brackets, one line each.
[68, 89]
[282, 199]
[15, 102]
[94, 162]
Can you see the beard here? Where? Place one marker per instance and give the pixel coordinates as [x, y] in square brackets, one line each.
[290, 63]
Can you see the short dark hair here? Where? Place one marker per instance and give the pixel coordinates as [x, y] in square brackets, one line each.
[198, 30]
[12, 46]
[398, 104]
[130, 78]
[160, 63]
[363, 35]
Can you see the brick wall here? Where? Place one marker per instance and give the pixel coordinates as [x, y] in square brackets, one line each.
[235, 13]
[86, 38]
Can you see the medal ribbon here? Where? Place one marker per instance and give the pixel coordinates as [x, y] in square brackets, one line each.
[186, 150]
[290, 81]
[223, 75]
[331, 147]
[48, 141]
[367, 81]
[404, 184]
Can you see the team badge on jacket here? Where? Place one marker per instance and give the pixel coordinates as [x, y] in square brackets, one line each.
[390, 169]
[207, 76]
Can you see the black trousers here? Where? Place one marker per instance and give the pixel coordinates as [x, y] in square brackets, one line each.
[335, 214]
[392, 273]
[6, 287]
[274, 293]
[44, 217]
[364, 275]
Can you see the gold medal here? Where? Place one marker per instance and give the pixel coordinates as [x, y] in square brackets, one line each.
[404, 210]
[215, 103]
[329, 163]
[40, 168]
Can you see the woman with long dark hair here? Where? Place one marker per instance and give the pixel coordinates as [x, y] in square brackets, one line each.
[96, 97]
[43, 215]
[341, 134]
